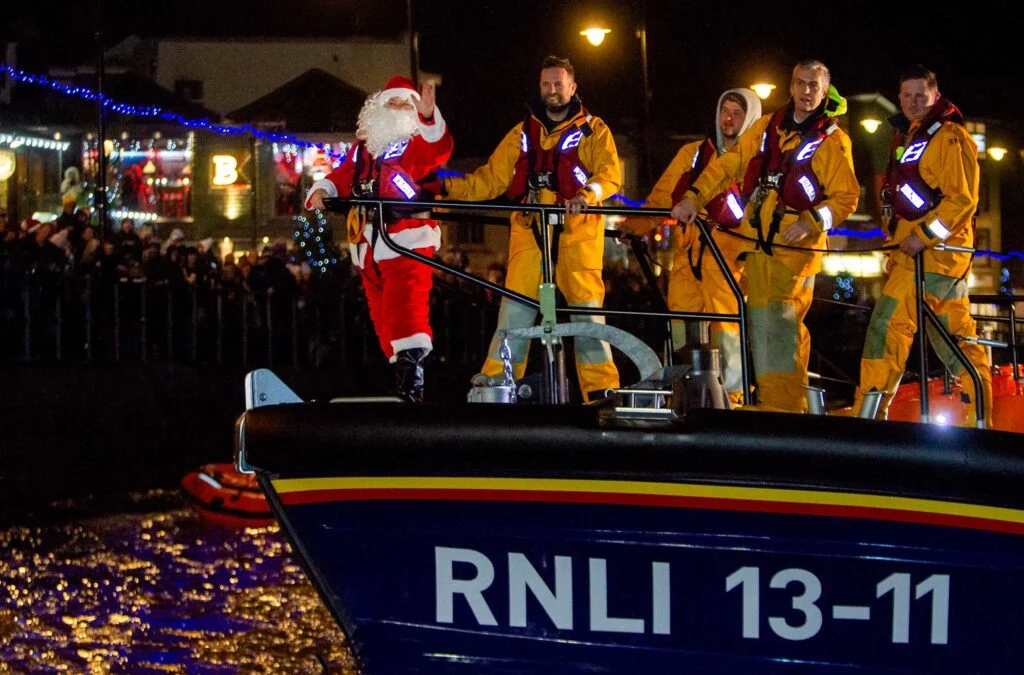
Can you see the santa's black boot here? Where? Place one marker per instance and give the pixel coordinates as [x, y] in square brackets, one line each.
[409, 374]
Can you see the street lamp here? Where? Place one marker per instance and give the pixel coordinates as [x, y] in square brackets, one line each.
[997, 153]
[870, 124]
[763, 89]
[595, 36]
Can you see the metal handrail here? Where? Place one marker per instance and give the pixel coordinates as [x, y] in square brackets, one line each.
[546, 211]
[924, 312]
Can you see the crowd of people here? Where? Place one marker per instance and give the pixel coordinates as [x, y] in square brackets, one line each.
[71, 246]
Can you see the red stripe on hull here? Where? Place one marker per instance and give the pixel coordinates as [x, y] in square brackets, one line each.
[668, 501]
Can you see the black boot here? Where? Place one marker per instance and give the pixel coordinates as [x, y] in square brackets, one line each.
[409, 374]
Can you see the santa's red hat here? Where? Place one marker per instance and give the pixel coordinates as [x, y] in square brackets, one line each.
[399, 86]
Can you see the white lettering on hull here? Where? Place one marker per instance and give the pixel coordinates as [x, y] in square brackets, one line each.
[557, 602]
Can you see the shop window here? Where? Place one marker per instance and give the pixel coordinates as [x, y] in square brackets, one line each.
[147, 179]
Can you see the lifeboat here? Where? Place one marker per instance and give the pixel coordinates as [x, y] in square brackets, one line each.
[225, 497]
[525, 539]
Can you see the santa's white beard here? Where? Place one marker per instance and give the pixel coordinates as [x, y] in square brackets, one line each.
[380, 126]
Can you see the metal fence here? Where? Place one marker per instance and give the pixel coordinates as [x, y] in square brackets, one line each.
[326, 324]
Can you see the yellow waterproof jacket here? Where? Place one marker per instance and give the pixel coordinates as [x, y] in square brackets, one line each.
[583, 233]
[683, 237]
[949, 163]
[832, 164]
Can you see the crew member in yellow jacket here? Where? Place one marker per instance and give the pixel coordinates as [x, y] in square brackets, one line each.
[696, 283]
[931, 192]
[796, 172]
[559, 154]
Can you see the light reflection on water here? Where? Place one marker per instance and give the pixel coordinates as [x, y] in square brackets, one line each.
[159, 592]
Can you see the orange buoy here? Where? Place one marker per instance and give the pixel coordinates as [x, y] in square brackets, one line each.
[223, 496]
[945, 408]
[1007, 399]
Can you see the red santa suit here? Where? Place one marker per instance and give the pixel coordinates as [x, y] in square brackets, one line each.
[397, 288]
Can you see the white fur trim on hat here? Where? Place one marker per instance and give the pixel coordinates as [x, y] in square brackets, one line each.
[399, 92]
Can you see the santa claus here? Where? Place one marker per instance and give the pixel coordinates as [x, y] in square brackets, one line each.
[401, 141]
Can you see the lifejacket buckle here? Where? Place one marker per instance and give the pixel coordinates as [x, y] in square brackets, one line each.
[773, 181]
[540, 179]
[367, 187]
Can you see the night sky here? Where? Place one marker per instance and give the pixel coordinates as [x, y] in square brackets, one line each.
[489, 51]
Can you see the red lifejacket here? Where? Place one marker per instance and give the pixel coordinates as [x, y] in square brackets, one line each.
[384, 177]
[788, 172]
[905, 194]
[726, 209]
[558, 169]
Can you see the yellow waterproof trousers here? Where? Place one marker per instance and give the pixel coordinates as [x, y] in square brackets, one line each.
[777, 302]
[580, 282]
[894, 324]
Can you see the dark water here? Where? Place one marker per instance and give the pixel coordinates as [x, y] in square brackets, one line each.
[148, 588]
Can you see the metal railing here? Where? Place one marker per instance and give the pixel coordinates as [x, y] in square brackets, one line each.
[553, 216]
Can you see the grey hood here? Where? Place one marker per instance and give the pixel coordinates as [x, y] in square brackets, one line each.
[753, 113]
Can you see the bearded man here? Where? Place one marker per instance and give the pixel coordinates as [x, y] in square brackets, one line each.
[402, 140]
[558, 154]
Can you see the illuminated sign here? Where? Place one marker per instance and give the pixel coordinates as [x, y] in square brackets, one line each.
[226, 171]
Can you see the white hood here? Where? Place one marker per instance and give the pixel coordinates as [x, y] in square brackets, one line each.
[753, 113]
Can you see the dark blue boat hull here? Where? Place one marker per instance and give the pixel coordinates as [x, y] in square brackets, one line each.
[461, 569]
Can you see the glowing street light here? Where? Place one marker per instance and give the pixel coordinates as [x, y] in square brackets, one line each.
[997, 153]
[870, 124]
[763, 89]
[595, 36]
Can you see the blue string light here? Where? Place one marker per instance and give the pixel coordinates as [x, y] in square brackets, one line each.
[87, 94]
[628, 202]
[857, 234]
